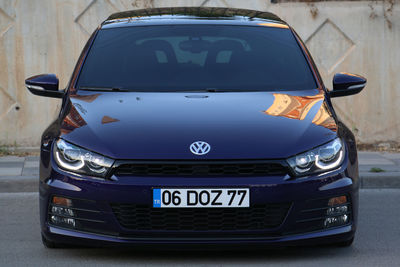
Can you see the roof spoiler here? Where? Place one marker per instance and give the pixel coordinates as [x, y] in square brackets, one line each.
[196, 11]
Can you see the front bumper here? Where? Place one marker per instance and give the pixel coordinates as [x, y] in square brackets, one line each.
[66, 236]
[302, 224]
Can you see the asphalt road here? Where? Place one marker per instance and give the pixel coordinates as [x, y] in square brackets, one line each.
[377, 242]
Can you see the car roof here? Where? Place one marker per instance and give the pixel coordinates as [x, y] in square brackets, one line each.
[193, 15]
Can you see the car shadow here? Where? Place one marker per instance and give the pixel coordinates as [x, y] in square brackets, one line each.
[210, 256]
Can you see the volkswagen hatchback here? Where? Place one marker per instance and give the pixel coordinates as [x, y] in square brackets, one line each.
[205, 126]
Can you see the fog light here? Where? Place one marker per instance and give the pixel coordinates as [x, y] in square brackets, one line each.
[336, 221]
[337, 210]
[62, 211]
[62, 221]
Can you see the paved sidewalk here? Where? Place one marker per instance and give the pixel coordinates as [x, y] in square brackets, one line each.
[377, 170]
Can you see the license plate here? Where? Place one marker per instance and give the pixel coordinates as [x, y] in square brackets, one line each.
[201, 198]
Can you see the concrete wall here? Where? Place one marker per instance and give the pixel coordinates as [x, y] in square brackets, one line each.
[46, 36]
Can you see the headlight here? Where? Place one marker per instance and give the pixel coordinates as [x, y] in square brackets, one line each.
[72, 158]
[323, 158]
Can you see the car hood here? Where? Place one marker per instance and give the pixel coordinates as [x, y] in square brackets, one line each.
[240, 125]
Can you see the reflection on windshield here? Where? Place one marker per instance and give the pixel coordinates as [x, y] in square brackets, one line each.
[298, 107]
[194, 57]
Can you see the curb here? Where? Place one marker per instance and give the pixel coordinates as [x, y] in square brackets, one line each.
[381, 180]
[24, 149]
[13, 184]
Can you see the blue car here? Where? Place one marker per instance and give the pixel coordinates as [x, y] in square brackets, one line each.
[197, 126]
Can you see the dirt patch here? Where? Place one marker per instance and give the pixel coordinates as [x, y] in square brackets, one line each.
[16, 151]
[384, 147]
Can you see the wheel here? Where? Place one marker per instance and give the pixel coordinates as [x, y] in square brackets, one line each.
[49, 244]
[346, 243]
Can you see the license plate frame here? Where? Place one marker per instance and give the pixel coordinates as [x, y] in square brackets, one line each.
[201, 197]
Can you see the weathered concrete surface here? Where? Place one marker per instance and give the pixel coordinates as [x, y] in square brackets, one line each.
[46, 36]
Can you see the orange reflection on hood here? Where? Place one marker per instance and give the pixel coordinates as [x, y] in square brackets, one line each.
[87, 98]
[297, 107]
[72, 121]
[292, 107]
[324, 118]
[107, 119]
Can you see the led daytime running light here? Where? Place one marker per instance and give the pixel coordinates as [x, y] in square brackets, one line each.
[323, 166]
[69, 166]
[78, 160]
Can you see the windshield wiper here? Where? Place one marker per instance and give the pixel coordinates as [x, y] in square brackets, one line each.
[104, 89]
[117, 89]
[216, 90]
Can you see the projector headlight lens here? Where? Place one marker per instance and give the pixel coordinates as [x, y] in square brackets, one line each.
[75, 159]
[323, 158]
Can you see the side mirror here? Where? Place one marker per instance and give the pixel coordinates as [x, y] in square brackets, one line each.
[347, 84]
[44, 85]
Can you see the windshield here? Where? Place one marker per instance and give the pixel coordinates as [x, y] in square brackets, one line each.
[196, 57]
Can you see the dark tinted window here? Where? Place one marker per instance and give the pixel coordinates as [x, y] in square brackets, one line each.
[196, 57]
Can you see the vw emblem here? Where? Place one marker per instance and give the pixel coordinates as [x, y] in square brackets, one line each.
[200, 148]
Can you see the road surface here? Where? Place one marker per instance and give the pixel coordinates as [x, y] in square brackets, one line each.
[377, 242]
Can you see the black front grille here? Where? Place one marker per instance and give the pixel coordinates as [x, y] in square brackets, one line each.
[143, 217]
[201, 169]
